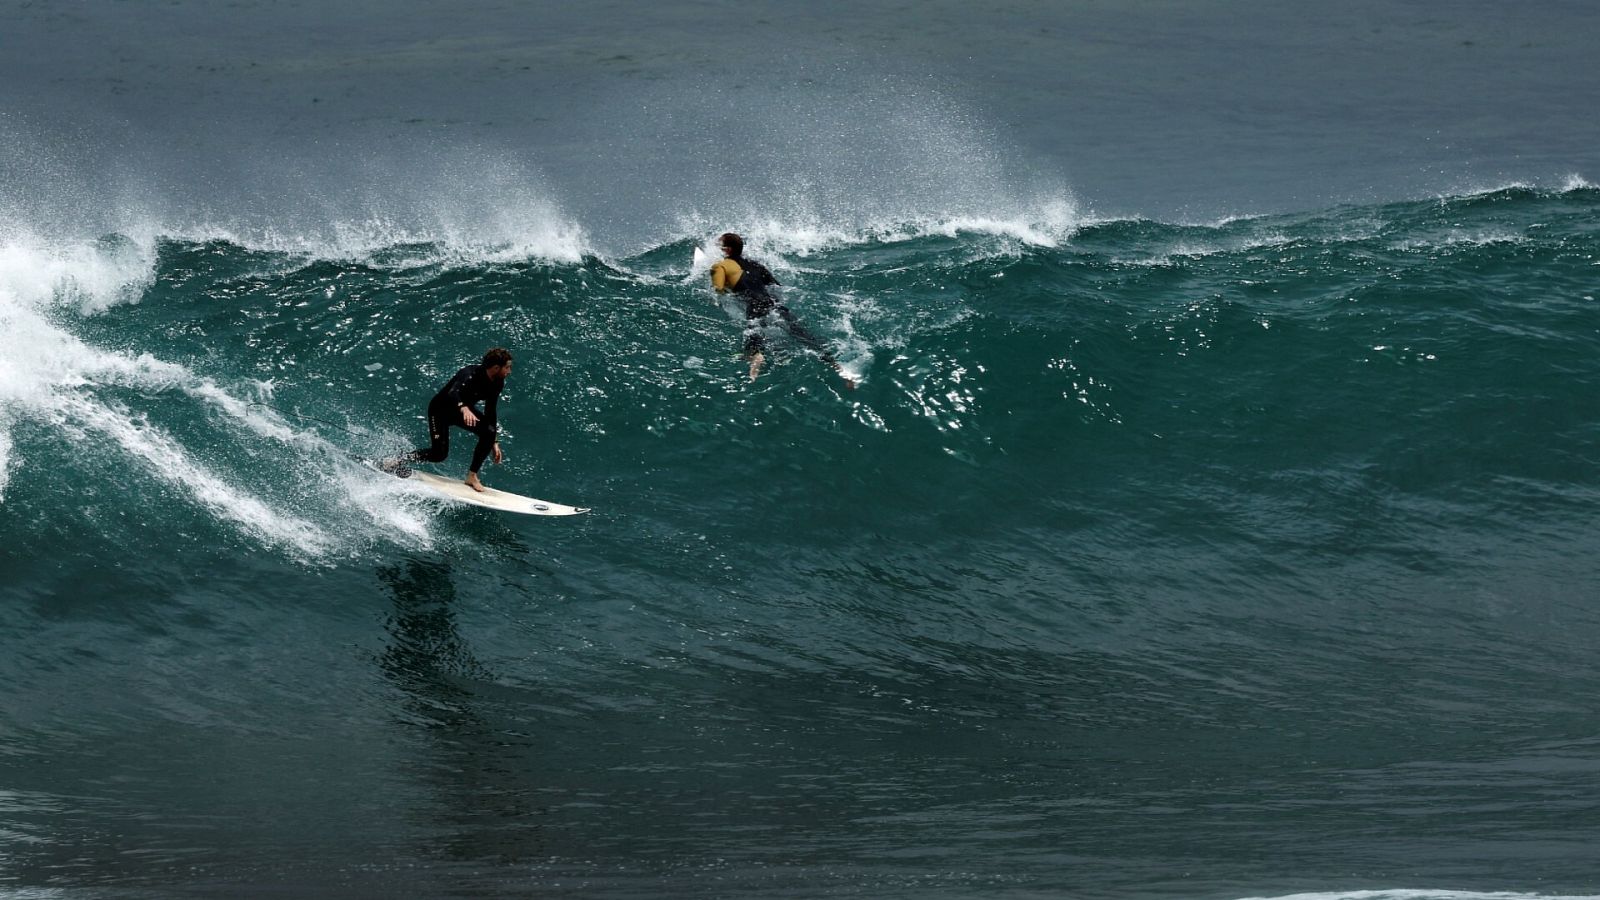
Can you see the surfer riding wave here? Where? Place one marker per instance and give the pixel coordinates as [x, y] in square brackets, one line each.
[455, 406]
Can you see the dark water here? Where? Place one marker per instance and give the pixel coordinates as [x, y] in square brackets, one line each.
[1241, 558]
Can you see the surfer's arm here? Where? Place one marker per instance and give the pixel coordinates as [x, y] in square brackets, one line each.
[491, 411]
[453, 391]
[491, 415]
[720, 280]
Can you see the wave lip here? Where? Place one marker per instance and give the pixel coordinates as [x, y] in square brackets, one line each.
[798, 229]
[51, 377]
[169, 461]
[38, 360]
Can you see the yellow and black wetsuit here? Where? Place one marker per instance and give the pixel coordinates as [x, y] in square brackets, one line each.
[750, 280]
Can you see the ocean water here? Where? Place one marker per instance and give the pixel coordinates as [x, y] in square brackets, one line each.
[1211, 520]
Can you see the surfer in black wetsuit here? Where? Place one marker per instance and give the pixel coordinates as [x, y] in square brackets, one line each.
[456, 405]
[751, 281]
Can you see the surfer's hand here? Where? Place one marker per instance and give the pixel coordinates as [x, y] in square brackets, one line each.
[497, 454]
[467, 418]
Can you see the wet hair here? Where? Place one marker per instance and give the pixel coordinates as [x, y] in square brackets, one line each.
[499, 356]
[734, 243]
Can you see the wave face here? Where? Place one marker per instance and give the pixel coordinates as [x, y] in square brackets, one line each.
[1241, 559]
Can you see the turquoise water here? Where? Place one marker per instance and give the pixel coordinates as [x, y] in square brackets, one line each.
[1214, 518]
[1211, 560]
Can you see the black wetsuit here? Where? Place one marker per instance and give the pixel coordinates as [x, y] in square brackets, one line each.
[760, 306]
[464, 391]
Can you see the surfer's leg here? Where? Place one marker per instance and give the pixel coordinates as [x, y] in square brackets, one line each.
[486, 437]
[436, 451]
[438, 435]
[810, 340]
[753, 342]
[802, 335]
[753, 339]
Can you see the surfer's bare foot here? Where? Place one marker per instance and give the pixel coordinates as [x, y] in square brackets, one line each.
[755, 365]
[848, 381]
[473, 482]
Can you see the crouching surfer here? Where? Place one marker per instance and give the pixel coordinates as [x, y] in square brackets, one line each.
[455, 406]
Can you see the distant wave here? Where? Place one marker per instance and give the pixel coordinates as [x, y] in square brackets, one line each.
[459, 232]
[1424, 894]
[1047, 221]
[1568, 184]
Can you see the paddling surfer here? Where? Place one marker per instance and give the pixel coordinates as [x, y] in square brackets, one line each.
[455, 406]
[751, 281]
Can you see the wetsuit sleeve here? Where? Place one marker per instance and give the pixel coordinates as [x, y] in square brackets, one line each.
[724, 275]
[491, 411]
[457, 384]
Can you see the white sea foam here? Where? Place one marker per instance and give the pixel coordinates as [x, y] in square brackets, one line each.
[94, 275]
[1575, 182]
[385, 501]
[1186, 250]
[1047, 225]
[503, 237]
[43, 369]
[855, 356]
[1049, 222]
[5, 459]
[888, 163]
[1472, 191]
[37, 358]
[1459, 238]
[172, 463]
[49, 375]
[449, 205]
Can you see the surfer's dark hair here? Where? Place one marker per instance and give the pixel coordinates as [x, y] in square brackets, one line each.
[733, 243]
[499, 356]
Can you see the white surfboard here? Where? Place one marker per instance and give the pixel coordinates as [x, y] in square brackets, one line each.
[699, 260]
[505, 501]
